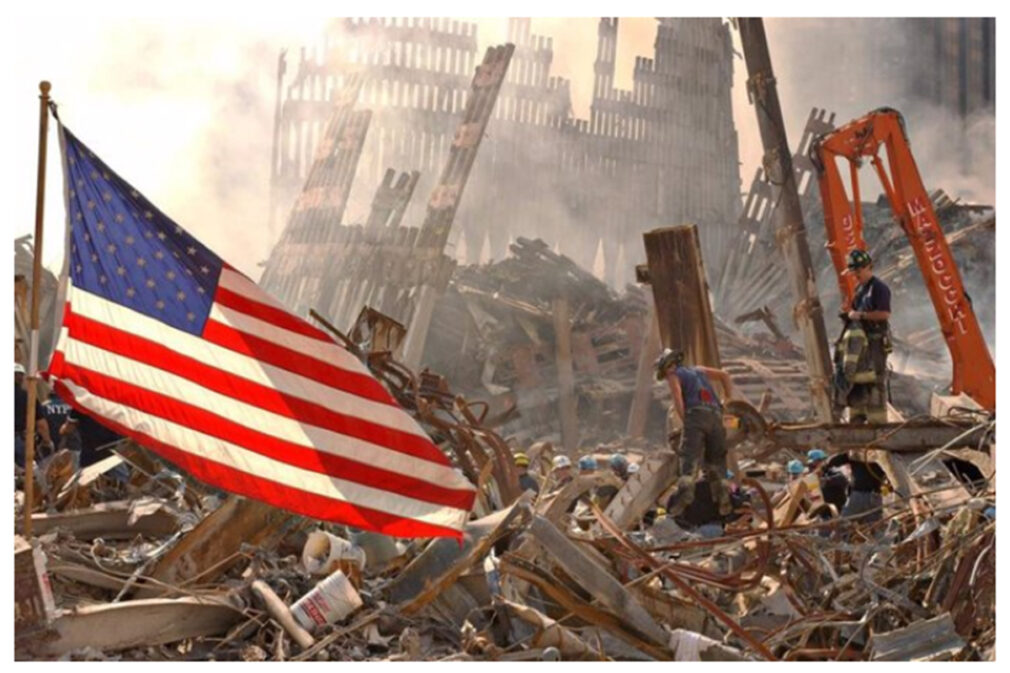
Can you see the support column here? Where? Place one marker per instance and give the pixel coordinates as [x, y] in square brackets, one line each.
[790, 231]
[680, 290]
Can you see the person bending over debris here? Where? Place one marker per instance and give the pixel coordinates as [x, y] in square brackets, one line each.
[834, 483]
[526, 480]
[619, 465]
[865, 499]
[867, 342]
[703, 441]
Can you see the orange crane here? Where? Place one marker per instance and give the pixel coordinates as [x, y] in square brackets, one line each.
[974, 370]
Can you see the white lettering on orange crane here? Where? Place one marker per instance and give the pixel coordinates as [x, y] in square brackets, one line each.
[924, 226]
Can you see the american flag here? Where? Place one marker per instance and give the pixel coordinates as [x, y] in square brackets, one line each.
[166, 343]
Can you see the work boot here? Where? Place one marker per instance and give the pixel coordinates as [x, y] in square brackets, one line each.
[682, 497]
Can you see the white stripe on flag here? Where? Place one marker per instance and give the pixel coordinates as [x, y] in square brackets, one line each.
[217, 450]
[92, 306]
[326, 351]
[274, 425]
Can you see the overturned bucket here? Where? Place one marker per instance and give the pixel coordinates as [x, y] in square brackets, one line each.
[324, 554]
[329, 601]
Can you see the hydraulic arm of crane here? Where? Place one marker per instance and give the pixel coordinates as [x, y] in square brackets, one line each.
[974, 371]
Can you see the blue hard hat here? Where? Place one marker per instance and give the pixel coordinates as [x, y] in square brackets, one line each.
[587, 463]
[617, 460]
[817, 454]
[794, 467]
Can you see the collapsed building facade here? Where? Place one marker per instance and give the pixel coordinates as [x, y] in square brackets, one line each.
[589, 186]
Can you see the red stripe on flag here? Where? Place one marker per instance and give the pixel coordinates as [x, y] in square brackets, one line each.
[267, 313]
[280, 496]
[285, 452]
[117, 341]
[270, 353]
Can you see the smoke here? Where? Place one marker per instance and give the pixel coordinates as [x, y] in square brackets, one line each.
[852, 66]
[181, 109]
[184, 111]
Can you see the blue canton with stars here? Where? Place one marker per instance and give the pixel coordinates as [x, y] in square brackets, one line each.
[124, 249]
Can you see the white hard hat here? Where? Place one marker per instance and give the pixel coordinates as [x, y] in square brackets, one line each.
[633, 468]
[19, 368]
[561, 461]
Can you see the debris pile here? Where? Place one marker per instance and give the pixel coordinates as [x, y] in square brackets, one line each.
[134, 561]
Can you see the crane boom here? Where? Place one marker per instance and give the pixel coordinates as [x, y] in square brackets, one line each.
[974, 370]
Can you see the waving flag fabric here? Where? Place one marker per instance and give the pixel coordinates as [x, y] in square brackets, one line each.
[166, 343]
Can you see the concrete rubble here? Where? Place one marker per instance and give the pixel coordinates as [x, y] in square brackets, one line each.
[131, 560]
[157, 567]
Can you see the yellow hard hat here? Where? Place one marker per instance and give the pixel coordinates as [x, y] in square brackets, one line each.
[522, 460]
[660, 511]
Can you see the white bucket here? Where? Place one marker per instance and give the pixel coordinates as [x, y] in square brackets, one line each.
[323, 553]
[329, 601]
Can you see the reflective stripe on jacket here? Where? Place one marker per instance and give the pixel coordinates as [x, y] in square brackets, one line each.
[857, 363]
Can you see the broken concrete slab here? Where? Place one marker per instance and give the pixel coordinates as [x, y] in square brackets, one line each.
[445, 559]
[118, 626]
[204, 552]
[118, 520]
[595, 579]
[925, 640]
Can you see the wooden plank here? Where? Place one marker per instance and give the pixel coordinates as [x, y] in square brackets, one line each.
[205, 552]
[596, 579]
[645, 378]
[445, 559]
[118, 626]
[111, 520]
[641, 490]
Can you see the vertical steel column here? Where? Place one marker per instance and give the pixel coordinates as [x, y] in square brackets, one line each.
[790, 231]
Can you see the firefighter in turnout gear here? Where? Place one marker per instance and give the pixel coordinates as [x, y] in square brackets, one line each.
[703, 442]
[861, 354]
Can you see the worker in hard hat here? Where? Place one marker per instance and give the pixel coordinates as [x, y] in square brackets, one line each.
[865, 498]
[794, 469]
[587, 465]
[834, 482]
[870, 312]
[619, 465]
[561, 472]
[526, 480]
[703, 441]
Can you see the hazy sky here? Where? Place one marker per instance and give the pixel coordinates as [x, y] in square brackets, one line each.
[183, 109]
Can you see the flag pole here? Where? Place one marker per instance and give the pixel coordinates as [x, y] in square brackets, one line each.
[33, 359]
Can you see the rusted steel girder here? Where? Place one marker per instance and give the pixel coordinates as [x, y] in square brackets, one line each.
[444, 200]
[916, 435]
[790, 232]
